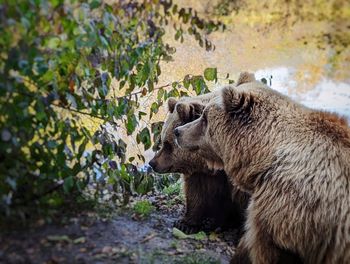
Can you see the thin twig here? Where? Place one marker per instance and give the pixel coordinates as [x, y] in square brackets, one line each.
[79, 112]
[138, 92]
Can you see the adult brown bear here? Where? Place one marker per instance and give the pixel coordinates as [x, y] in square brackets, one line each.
[211, 201]
[294, 161]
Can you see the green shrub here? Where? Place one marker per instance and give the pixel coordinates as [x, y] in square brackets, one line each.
[58, 60]
[173, 189]
[143, 208]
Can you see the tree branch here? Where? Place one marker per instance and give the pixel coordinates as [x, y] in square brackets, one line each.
[138, 92]
[80, 112]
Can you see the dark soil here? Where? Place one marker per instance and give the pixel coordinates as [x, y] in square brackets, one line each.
[121, 237]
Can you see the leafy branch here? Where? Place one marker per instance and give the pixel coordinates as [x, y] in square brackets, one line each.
[60, 56]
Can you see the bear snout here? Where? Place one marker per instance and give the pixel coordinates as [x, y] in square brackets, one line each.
[153, 164]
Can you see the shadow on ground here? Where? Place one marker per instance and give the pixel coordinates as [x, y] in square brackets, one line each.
[120, 238]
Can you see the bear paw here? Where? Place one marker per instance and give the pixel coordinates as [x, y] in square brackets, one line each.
[209, 224]
[186, 227]
[240, 258]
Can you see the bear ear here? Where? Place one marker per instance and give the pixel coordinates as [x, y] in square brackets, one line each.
[189, 111]
[196, 110]
[237, 102]
[245, 77]
[171, 104]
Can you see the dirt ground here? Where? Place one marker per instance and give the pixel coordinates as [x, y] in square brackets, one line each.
[121, 237]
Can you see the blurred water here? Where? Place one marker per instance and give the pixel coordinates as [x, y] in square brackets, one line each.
[326, 94]
[303, 63]
[329, 95]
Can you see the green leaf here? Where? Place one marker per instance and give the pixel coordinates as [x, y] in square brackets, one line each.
[179, 234]
[53, 43]
[104, 41]
[95, 4]
[40, 116]
[210, 74]
[52, 144]
[131, 124]
[68, 184]
[63, 238]
[150, 85]
[187, 81]
[173, 93]
[145, 138]
[178, 34]
[199, 85]
[121, 108]
[55, 3]
[174, 9]
[199, 236]
[82, 147]
[160, 94]
[141, 114]
[154, 107]
[79, 240]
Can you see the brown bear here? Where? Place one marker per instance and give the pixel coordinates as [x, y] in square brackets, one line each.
[211, 201]
[295, 163]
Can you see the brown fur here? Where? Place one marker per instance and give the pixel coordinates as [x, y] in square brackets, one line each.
[210, 202]
[208, 193]
[245, 77]
[294, 161]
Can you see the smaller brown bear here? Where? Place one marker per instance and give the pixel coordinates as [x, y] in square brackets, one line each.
[211, 201]
[294, 161]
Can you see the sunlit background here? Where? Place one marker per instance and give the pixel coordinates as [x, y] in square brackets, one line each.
[300, 47]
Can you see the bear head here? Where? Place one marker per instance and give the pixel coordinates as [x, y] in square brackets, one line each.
[170, 157]
[241, 131]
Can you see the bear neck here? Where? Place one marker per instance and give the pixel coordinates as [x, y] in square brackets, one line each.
[245, 167]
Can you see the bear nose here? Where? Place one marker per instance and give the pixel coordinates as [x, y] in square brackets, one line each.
[176, 132]
[152, 163]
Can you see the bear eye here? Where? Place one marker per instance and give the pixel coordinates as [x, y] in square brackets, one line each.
[157, 144]
[196, 115]
[167, 146]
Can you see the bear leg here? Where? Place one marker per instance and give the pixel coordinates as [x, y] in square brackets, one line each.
[259, 243]
[186, 226]
[241, 255]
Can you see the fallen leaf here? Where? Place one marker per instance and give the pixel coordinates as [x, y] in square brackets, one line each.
[149, 237]
[71, 85]
[213, 236]
[106, 249]
[59, 239]
[79, 240]
[179, 234]
[199, 236]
